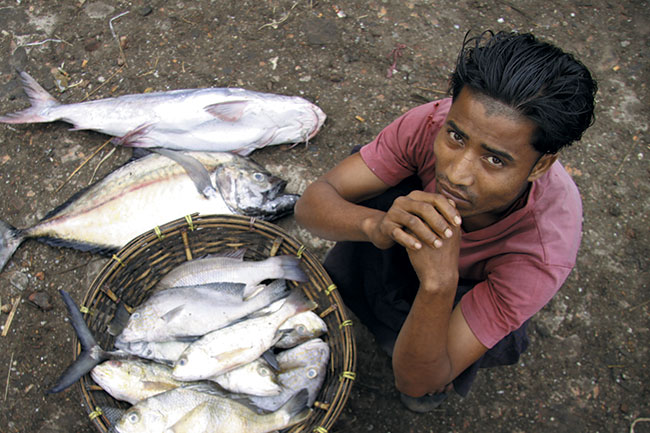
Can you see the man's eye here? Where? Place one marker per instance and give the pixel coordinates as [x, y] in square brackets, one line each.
[495, 161]
[455, 136]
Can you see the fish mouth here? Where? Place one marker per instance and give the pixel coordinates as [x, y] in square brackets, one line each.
[319, 118]
[280, 206]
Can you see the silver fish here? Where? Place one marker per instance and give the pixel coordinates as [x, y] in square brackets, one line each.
[194, 311]
[226, 269]
[227, 348]
[303, 367]
[196, 409]
[132, 380]
[164, 352]
[211, 119]
[300, 328]
[151, 191]
[254, 378]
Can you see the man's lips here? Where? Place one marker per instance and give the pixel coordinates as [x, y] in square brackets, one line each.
[452, 194]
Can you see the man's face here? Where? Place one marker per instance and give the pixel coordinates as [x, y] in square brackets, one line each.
[484, 158]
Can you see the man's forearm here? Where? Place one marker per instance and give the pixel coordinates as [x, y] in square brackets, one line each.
[322, 211]
[421, 362]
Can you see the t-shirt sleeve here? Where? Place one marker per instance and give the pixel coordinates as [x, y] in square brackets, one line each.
[515, 289]
[398, 150]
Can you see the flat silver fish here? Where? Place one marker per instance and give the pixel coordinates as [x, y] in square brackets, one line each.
[196, 409]
[194, 311]
[210, 119]
[152, 191]
[232, 270]
[227, 348]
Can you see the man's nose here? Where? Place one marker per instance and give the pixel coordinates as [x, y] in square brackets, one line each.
[462, 169]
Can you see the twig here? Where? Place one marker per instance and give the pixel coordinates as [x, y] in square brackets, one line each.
[31, 44]
[100, 163]
[636, 421]
[119, 45]
[639, 305]
[103, 84]
[83, 163]
[5, 330]
[618, 170]
[11, 361]
[431, 90]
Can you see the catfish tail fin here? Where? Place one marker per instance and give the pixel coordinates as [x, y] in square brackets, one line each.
[40, 100]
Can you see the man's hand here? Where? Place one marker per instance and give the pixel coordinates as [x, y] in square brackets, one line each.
[416, 220]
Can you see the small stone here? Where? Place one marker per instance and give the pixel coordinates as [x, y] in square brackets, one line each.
[6, 308]
[145, 10]
[41, 299]
[19, 280]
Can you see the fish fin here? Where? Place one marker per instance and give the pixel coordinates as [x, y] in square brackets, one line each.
[231, 354]
[10, 239]
[196, 420]
[265, 139]
[296, 408]
[291, 268]
[40, 100]
[194, 169]
[251, 290]
[119, 320]
[173, 313]
[270, 358]
[230, 111]
[91, 353]
[135, 137]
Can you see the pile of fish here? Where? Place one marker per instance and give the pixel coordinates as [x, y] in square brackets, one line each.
[151, 191]
[211, 119]
[222, 341]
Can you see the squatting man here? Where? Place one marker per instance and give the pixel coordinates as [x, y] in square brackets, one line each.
[457, 222]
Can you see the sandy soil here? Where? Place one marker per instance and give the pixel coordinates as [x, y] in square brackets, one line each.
[586, 369]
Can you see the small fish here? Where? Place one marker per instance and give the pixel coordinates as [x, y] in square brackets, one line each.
[232, 270]
[211, 119]
[255, 378]
[194, 311]
[227, 348]
[148, 192]
[197, 409]
[132, 380]
[300, 328]
[303, 367]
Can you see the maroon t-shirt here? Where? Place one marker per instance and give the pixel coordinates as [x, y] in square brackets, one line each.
[521, 260]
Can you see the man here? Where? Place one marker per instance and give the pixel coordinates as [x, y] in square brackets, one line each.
[457, 223]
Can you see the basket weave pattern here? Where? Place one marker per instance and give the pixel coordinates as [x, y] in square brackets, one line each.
[133, 272]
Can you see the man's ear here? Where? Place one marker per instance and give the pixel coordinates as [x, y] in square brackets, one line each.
[542, 165]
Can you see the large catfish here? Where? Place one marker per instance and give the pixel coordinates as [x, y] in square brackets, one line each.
[152, 191]
[211, 119]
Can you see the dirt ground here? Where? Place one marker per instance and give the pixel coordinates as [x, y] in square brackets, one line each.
[587, 367]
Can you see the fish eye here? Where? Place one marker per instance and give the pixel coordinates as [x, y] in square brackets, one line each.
[312, 373]
[263, 371]
[258, 176]
[301, 329]
[182, 361]
[135, 315]
[133, 417]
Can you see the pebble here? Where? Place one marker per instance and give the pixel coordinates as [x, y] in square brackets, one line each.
[145, 10]
[19, 280]
[41, 299]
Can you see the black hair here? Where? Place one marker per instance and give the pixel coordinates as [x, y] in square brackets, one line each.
[537, 79]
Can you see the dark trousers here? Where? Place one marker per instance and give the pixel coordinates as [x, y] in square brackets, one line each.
[379, 286]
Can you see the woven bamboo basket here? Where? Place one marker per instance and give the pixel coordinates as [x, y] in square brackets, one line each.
[132, 273]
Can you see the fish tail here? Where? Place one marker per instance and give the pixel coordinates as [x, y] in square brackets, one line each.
[291, 270]
[91, 353]
[296, 409]
[10, 239]
[40, 100]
